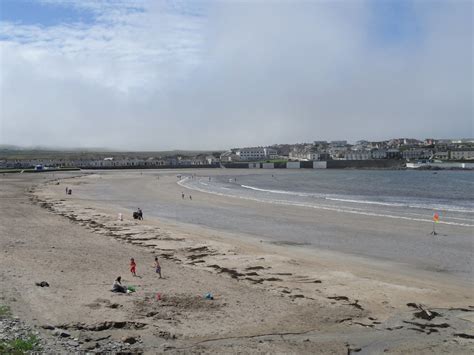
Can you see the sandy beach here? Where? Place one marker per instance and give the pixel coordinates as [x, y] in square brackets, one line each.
[270, 295]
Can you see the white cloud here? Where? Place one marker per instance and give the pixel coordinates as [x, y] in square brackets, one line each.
[180, 75]
[120, 50]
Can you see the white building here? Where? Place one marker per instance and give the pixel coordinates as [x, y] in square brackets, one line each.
[303, 155]
[229, 157]
[358, 155]
[306, 154]
[337, 152]
[211, 159]
[441, 155]
[338, 143]
[462, 154]
[271, 153]
[379, 154]
[256, 153]
[417, 154]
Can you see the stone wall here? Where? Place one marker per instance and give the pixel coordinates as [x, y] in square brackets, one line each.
[366, 164]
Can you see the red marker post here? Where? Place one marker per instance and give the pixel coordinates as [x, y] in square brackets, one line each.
[435, 220]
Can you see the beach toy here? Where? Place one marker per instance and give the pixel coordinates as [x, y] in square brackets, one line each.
[158, 296]
[131, 288]
[208, 296]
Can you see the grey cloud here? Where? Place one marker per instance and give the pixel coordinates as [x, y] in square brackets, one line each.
[246, 74]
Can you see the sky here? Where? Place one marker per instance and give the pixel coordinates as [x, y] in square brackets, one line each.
[203, 75]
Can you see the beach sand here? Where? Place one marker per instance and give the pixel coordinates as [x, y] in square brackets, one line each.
[268, 296]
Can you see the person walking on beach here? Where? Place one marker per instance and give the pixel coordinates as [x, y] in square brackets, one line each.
[157, 267]
[133, 267]
[182, 195]
[140, 213]
[190, 197]
[67, 189]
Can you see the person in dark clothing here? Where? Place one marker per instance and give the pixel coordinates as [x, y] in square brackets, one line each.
[118, 287]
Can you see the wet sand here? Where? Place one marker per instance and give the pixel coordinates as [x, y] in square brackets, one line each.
[394, 240]
[269, 296]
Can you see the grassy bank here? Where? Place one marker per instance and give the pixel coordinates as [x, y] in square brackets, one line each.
[19, 344]
[10, 171]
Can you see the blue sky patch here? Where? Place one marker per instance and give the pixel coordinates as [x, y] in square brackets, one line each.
[31, 12]
[393, 23]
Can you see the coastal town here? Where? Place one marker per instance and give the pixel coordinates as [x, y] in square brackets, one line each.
[399, 152]
[236, 177]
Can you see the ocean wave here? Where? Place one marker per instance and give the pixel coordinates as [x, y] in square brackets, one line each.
[426, 205]
[183, 183]
[367, 202]
[283, 192]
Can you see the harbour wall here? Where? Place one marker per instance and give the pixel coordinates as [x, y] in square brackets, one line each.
[330, 164]
[366, 164]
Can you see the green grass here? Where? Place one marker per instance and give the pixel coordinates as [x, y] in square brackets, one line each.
[7, 171]
[20, 346]
[3, 171]
[5, 311]
[274, 161]
[17, 346]
[73, 154]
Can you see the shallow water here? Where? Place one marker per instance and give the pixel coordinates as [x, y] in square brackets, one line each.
[407, 199]
[404, 194]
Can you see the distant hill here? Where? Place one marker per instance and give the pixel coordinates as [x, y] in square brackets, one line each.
[17, 152]
[51, 149]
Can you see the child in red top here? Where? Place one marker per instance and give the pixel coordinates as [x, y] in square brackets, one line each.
[133, 267]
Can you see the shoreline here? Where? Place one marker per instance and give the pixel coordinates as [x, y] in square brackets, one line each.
[341, 287]
[334, 208]
[352, 233]
[259, 245]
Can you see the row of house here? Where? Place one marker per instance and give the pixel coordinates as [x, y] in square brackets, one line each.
[400, 148]
[109, 162]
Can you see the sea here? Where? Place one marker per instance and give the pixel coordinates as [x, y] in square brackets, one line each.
[391, 211]
[402, 194]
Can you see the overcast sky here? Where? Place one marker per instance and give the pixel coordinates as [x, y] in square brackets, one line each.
[151, 75]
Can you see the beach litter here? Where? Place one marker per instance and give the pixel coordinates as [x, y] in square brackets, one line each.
[208, 296]
[131, 289]
[158, 296]
[130, 339]
[423, 312]
[426, 314]
[42, 284]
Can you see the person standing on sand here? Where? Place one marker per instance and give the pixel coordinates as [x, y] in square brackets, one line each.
[133, 267]
[182, 195]
[190, 197]
[67, 189]
[157, 267]
[140, 213]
